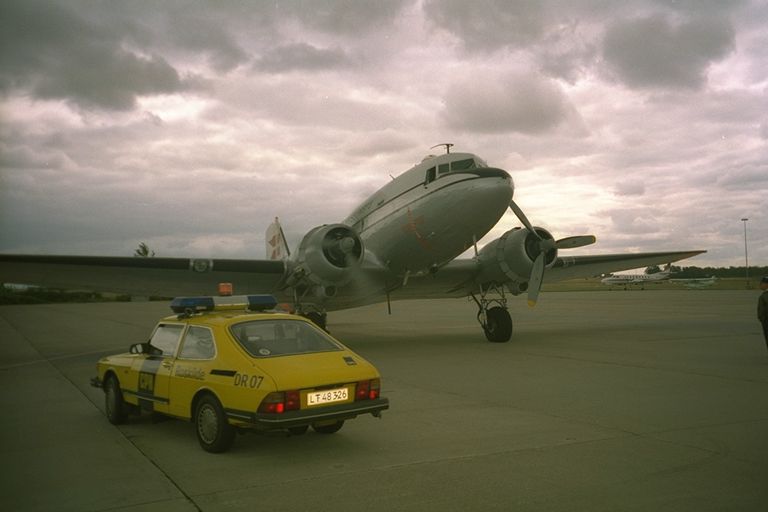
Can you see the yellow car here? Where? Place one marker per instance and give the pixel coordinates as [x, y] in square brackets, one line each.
[227, 364]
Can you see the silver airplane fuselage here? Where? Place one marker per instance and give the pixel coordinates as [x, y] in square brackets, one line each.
[432, 213]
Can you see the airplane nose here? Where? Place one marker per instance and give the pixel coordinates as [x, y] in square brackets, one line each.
[493, 172]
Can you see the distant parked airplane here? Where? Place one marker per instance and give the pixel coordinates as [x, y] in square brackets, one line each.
[637, 279]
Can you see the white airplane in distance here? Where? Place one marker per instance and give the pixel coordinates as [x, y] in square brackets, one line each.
[637, 279]
[400, 243]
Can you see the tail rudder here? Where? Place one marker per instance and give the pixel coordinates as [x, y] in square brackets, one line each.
[276, 245]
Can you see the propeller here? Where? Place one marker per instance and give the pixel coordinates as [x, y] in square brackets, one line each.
[341, 249]
[545, 245]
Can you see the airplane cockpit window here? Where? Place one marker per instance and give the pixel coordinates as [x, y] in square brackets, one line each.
[430, 176]
[442, 168]
[463, 165]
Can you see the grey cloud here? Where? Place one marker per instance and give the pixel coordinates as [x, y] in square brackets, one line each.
[302, 56]
[655, 52]
[748, 176]
[48, 49]
[203, 34]
[487, 25]
[352, 17]
[633, 221]
[488, 104]
[629, 188]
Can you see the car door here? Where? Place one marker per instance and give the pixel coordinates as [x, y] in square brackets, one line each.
[191, 367]
[154, 369]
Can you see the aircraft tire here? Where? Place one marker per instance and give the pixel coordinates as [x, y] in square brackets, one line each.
[318, 319]
[498, 326]
[114, 405]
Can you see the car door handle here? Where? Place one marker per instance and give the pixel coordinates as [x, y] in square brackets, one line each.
[167, 364]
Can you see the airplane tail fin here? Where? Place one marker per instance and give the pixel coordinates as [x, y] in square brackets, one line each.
[277, 246]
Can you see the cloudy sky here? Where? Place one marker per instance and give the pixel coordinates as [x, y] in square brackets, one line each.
[189, 125]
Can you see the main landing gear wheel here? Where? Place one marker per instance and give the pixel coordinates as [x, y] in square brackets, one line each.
[498, 325]
[317, 318]
[214, 433]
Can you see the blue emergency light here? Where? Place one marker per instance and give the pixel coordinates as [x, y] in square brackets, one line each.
[183, 305]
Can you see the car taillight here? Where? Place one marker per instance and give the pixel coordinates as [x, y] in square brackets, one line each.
[279, 402]
[292, 400]
[273, 403]
[368, 389]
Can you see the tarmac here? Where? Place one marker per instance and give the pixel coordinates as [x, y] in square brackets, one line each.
[602, 401]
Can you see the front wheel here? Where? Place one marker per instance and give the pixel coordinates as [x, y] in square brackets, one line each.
[214, 433]
[114, 405]
[498, 326]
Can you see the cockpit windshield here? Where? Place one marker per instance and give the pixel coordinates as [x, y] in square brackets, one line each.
[463, 165]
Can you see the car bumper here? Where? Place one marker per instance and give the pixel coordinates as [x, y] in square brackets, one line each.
[308, 416]
[96, 382]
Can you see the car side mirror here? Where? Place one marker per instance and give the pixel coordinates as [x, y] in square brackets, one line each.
[145, 348]
[137, 348]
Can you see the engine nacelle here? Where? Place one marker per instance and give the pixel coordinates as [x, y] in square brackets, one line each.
[510, 257]
[327, 257]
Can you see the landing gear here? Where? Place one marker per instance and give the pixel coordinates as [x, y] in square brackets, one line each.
[317, 318]
[494, 317]
[316, 314]
[498, 325]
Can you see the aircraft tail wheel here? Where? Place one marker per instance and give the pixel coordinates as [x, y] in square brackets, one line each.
[498, 325]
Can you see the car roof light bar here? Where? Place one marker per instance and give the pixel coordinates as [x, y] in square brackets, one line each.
[191, 305]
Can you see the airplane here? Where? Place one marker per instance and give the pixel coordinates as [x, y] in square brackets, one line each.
[637, 279]
[696, 282]
[400, 243]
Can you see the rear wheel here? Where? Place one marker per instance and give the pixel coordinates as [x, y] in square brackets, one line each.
[214, 433]
[115, 407]
[331, 428]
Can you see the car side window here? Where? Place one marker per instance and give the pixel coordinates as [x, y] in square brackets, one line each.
[198, 344]
[166, 338]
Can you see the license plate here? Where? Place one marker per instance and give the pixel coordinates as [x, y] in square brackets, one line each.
[327, 396]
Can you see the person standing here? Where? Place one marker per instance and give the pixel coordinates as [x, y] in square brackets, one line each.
[762, 307]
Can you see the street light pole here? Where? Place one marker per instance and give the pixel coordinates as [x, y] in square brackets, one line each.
[746, 255]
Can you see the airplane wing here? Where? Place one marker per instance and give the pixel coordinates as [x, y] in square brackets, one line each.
[171, 277]
[166, 277]
[587, 266]
[459, 277]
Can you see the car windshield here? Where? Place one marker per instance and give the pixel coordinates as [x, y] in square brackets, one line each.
[270, 338]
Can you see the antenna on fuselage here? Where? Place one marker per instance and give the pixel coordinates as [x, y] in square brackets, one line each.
[447, 145]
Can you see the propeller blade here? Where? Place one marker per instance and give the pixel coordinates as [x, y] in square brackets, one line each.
[573, 242]
[537, 276]
[520, 215]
